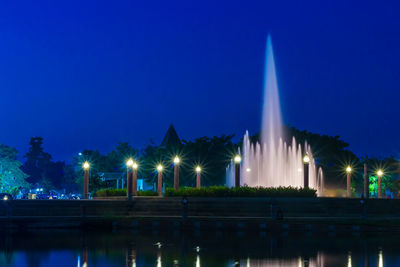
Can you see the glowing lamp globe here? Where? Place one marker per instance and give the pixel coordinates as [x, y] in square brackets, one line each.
[129, 163]
[159, 168]
[86, 165]
[237, 159]
[134, 165]
[198, 169]
[380, 173]
[348, 169]
[177, 160]
[306, 159]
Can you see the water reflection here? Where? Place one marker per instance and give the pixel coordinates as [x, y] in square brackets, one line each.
[198, 261]
[349, 260]
[159, 263]
[130, 257]
[145, 249]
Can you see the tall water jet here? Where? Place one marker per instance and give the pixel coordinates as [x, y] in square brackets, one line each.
[271, 129]
[272, 162]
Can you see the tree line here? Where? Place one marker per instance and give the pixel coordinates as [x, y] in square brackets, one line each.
[212, 153]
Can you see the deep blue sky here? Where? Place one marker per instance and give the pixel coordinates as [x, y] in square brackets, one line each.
[87, 74]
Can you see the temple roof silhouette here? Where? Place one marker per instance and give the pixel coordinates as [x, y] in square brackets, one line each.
[171, 138]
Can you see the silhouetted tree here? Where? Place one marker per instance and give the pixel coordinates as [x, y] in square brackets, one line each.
[212, 154]
[36, 160]
[45, 172]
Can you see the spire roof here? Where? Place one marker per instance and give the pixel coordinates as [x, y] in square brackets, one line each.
[171, 138]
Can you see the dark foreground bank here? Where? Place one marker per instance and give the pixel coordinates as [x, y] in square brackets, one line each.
[176, 213]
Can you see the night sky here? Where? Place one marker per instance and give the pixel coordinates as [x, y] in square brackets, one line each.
[88, 74]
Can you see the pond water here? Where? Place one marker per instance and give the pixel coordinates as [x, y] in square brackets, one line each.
[104, 249]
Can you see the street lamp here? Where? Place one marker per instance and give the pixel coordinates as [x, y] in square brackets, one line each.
[134, 178]
[380, 174]
[177, 160]
[366, 181]
[237, 160]
[348, 171]
[86, 168]
[306, 161]
[129, 165]
[159, 170]
[198, 177]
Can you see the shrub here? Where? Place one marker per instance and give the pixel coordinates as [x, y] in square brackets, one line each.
[121, 192]
[223, 191]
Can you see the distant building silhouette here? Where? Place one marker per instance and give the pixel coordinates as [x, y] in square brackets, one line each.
[171, 138]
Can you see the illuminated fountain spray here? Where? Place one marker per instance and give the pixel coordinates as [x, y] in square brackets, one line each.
[273, 162]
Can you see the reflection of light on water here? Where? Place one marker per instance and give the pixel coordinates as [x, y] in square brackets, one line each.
[79, 261]
[84, 264]
[198, 261]
[158, 258]
[159, 261]
[320, 260]
[380, 262]
[294, 262]
[349, 260]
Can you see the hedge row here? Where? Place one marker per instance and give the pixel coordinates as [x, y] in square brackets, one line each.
[223, 191]
[121, 192]
[219, 191]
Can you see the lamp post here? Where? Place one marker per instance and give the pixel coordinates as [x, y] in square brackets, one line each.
[86, 167]
[177, 160]
[348, 171]
[237, 161]
[306, 161]
[380, 174]
[134, 178]
[129, 165]
[366, 181]
[159, 184]
[198, 177]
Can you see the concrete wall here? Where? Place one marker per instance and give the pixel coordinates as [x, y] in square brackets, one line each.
[74, 213]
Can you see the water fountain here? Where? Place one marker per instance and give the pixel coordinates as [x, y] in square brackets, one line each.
[273, 162]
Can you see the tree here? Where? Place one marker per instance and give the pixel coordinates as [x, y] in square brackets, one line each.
[36, 160]
[44, 172]
[12, 178]
[98, 163]
[117, 158]
[213, 154]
